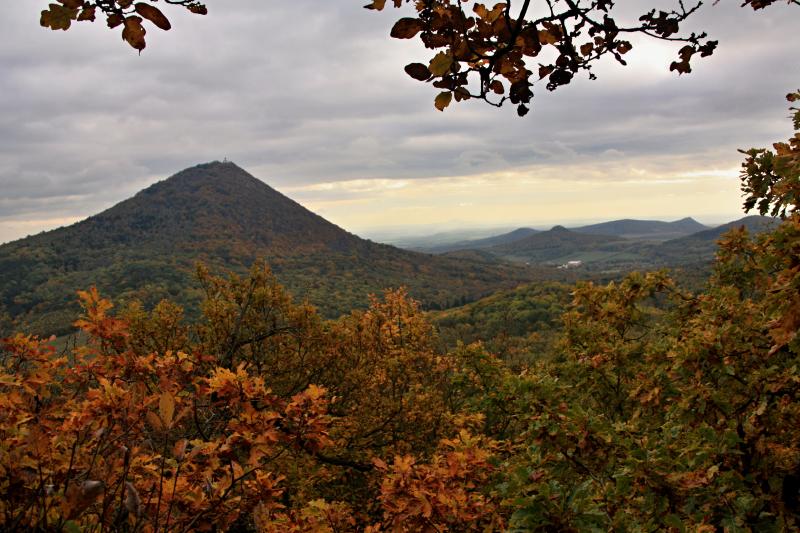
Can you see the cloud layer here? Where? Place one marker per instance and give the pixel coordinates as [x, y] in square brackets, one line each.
[311, 97]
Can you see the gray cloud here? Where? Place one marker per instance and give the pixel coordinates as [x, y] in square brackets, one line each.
[309, 92]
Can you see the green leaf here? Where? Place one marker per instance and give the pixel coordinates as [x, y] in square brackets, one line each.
[71, 527]
[440, 64]
[58, 17]
[674, 521]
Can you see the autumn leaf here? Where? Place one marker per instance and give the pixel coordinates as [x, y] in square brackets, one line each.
[443, 100]
[58, 17]
[546, 37]
[377, 5]
[440, 64]
[418, 71]
[406, 28]
[134, 32]
[114, 20]
[88, 14]
[166, 408]
[154, 15]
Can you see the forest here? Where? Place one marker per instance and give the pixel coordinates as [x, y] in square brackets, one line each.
[646, 408]
[638, 404]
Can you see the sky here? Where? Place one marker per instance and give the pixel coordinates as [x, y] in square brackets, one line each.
[310, 96]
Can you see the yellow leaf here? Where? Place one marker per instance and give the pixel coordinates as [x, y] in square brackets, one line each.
[166, 408]
[443, 100]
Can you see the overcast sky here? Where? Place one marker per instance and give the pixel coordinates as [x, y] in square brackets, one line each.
[310, 96]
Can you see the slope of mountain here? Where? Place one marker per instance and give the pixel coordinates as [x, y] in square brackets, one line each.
[426, 242]
[753, 224]
[146, 247]
[701, 246]
[556, 245]
[644, 229]
[487, 242]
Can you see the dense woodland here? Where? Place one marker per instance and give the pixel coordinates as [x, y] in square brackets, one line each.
[647, 407]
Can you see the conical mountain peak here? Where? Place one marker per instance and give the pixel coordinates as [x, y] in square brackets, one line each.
[219, 202]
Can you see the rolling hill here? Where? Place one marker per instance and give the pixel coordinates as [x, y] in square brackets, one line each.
[644, 229]
[700, 247]
[484, 243]
[146, 248]
[556, 245]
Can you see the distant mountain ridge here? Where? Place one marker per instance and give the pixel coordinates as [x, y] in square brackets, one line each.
[619, 245]
[753, 223]
[146, 247]
[487, 242]
[554, 245]
[654, 230]
[632, 228]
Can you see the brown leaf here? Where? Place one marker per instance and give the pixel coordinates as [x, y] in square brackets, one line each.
[88, 14]
[406, 28]
[545, 37]
[134, 32]
[154, 15]
[377, 5]
[114, 20]
[179, 450]
[72, 4]
[153, 419]
[418, 71]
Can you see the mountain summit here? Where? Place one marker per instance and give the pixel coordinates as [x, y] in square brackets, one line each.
[214, 204]
[146, 248]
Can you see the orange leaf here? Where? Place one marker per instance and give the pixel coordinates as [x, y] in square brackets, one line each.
[166, 408]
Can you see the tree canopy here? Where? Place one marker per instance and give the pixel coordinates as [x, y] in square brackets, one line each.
[495, 54]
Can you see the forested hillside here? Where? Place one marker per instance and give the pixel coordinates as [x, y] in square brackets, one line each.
[147, 247]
